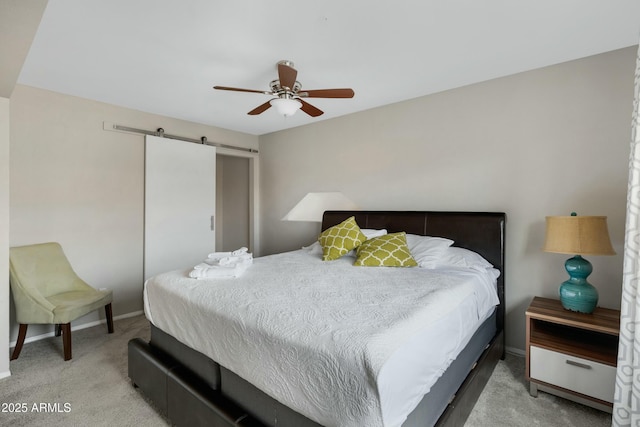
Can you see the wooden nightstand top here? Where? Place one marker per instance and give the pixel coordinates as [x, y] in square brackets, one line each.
[603, 320]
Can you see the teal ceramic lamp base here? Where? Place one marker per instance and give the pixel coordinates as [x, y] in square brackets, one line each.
[576, 294]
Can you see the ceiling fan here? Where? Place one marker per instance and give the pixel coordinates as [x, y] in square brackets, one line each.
[288, 93]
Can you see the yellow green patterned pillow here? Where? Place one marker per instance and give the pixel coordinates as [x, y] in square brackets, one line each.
[340, 239]
[385, 251]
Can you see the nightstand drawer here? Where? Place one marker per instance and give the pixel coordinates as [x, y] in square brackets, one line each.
[573, 373]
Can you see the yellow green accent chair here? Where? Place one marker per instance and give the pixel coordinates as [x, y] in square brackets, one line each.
[46, 290]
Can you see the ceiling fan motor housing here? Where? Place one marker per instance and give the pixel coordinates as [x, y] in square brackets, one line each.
[281, 92]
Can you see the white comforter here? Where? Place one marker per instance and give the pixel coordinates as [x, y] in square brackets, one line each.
[314, 335]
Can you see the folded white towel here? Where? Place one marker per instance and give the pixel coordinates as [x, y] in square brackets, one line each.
[221, 265]
[231, 260]
[203, 266]
[217, 272]
[220, 255]
[228, 261]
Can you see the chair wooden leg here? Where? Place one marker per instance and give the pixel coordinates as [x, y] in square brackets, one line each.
[58, 330]
[22, 333]
[66, 340]
[109, 314]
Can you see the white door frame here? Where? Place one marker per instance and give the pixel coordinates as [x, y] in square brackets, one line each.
[254, 195]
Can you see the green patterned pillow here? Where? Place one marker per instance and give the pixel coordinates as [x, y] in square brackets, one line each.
[340, 239]
[385, 251]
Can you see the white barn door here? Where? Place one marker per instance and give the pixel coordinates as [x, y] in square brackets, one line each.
[179, 205]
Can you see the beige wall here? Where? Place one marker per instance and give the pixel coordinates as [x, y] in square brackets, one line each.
[19, 21]
[4, 234]
[544, 142]
[75, 183]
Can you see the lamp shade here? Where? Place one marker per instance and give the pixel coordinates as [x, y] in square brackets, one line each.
[312, 206]
[286, 106]
[580, 235]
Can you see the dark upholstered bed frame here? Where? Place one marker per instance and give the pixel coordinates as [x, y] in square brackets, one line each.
[191, 389]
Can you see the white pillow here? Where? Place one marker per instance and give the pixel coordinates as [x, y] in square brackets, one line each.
[460, 257]
[315, 248]
[426, 250]
[370, 233]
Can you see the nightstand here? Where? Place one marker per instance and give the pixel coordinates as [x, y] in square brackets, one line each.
[570, 354]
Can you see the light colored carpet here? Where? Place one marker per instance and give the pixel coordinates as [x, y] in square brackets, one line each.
[93, 388]
[94, 382]
[505, 402]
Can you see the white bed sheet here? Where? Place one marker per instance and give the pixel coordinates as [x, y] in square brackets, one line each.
[413, 369]
[356, 348]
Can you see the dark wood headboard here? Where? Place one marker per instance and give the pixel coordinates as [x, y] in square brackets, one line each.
[481, 232]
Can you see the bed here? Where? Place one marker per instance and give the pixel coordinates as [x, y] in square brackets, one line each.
[177, 372]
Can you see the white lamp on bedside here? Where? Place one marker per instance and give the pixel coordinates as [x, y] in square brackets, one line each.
[312, 206]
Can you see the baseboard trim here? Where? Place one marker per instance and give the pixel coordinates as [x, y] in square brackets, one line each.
[5, 374]
[515, 351]
[76, 328]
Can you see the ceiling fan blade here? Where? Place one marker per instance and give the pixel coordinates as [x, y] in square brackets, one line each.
[260, 109]
[327, 93]
[242, 90]
[287, 75]
[310, 109]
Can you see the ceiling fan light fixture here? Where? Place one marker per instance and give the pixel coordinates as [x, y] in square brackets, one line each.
[286, 106]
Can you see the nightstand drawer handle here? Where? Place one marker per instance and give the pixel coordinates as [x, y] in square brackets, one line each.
[579, 365]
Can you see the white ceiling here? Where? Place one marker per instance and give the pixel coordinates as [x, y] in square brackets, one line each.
[164, 56]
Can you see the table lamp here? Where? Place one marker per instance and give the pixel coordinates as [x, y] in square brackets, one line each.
[578, 235]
